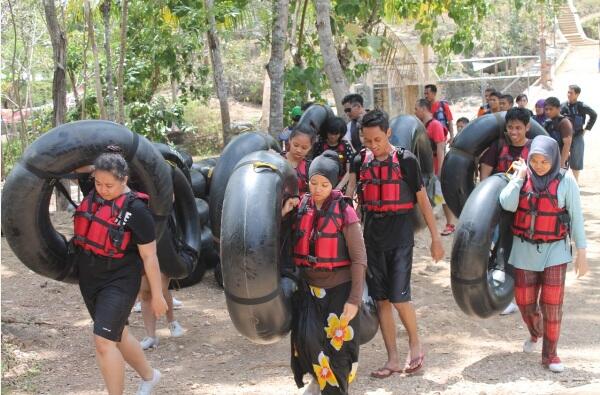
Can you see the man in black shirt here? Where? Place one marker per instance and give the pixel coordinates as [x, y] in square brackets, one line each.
[576, 111]
[354, 109]
[390, 184]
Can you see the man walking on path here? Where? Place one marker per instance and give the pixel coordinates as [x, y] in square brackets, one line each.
[354, 109]
[440, 109]
[577, 111]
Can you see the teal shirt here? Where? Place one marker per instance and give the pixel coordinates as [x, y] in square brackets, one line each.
[537, 257]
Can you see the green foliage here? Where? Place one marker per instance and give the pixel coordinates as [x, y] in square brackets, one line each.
[205, 138]
[590, 27]
[155, 119]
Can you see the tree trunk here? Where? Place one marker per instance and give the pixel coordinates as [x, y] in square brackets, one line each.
[110, 92]
[266, 102]
[92, 39]
[544, 66]
[331, 64]
[298, 54]
[217, 68]
[74, 86]
[85, 78]
[59, 51]
[277, 63]
[16, 85]
[120, 70]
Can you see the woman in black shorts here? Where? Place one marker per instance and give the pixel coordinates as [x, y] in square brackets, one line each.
[114, 237]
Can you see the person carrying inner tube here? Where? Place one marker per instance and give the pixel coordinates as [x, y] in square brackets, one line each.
[330, 253]
[331, 138]
[301, 142]
[114, 237]
[500, 155]
[389, 185]
[545, 200]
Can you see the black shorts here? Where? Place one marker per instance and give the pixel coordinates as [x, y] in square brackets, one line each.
[388, 273]
[109, 289]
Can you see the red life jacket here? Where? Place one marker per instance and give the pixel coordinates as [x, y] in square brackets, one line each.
[99, 224]
[505, 159]
[302, 174]
[538, 218]
[382, 188]
[319, 241]
[340, 149]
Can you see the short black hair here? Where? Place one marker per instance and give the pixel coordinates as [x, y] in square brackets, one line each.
[521, 97]
[496, 94]
[490, 89]
[509, 99]
[376, 118]
[334, 125]
[552, 102]
[431, 87]
[517, 114]
[353, 98]
[464, 120]
[113, 163]
[424, 103]
[575, 88]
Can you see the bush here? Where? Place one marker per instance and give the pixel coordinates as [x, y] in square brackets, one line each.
[155, 120]
[207, 136]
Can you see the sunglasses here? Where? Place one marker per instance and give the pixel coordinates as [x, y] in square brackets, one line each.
[347, 109]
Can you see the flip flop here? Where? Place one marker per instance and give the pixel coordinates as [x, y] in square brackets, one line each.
[416, 364]
[384, 373]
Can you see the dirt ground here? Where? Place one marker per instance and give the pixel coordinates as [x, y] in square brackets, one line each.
[47, 345]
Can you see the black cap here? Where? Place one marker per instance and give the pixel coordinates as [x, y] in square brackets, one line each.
[327, 165]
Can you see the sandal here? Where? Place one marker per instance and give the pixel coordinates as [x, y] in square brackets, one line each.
[415, 364]
[384, 373]
[448, 230]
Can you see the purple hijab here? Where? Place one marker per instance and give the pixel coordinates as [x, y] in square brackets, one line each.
[548, 147]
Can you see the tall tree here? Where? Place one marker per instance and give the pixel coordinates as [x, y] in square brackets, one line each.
[277, 63]
[218, 74]
[121, 67]
[92, 40]
[332, 66]
[59, 50]
[105, 7]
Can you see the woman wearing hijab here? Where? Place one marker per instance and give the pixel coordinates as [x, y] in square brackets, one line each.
[548, 214]
[330, 254]
[540, 115]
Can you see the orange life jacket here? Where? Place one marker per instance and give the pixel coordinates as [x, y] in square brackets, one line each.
[382, 188]
[99, 224]
[319, 241]
[538, 218]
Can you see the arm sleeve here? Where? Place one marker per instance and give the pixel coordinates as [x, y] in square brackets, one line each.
[447, 112]
[437, 132]
[411, 171]
[490, 156]
[509, 197]
[573, 206]
[358, 256]
[592, 114]
[566, 128]
[141, 223]
[355, 164]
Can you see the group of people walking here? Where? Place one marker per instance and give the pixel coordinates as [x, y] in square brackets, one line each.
[338, 245]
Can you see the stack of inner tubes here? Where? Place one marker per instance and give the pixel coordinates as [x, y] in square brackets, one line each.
[55, 156]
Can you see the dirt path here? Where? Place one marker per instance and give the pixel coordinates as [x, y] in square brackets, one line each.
[47, 348]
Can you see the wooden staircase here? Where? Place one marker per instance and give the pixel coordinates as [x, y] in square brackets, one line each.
[570, 26]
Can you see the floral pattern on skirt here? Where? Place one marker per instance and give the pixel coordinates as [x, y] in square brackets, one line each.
[324, 344]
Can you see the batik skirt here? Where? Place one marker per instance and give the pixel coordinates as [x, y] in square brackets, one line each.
[324, 344]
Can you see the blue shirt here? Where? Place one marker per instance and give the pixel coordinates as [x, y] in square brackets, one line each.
[537, 257]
